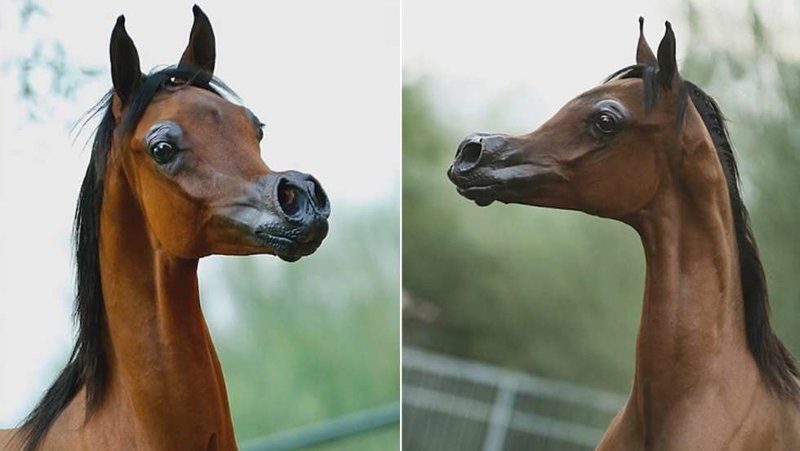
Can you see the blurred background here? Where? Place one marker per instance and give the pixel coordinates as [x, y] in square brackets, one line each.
[519, 322]
[301, 344]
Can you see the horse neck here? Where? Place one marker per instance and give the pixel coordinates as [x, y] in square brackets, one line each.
[692, 326]
[160, 355]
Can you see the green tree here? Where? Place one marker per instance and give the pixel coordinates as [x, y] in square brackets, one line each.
[44, 70]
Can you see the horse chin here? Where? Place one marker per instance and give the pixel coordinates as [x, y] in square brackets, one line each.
[235, 233]
[486, 195]
[291, 247]
[483, 196]
[288, 249]
[484, 186]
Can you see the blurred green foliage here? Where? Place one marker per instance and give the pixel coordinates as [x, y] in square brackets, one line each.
[559, 293]
[45, 72]
[319, 338]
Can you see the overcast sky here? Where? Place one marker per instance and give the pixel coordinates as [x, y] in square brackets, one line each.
[517, 62]
[514, 63]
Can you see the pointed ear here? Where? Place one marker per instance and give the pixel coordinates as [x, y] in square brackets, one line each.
[201, 51]
[667, 65]
[125, 71]
[644, 55]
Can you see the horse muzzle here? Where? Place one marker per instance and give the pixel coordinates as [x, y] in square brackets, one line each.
[472, 170]
[281, 213]
[300, 210]
[492, 167]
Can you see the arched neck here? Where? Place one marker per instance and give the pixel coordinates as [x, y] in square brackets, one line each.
[692, 330]
[163, 365]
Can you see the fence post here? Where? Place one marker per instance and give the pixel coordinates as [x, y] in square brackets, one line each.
[501, 413]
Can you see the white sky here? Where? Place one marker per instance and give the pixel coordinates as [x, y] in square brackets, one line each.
[517, 62]
[324, 76]
[514, 63]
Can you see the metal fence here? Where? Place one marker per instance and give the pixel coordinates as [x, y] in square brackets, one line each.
[455, 404]
[342, 428]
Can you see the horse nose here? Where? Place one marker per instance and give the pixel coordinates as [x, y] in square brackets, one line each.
[475, 149]
[304, 203]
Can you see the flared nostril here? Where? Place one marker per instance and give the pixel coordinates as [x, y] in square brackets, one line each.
[468, 155]
[289, 197]
[478, 150]
[301, 197]
[471, 153]
[319, 197]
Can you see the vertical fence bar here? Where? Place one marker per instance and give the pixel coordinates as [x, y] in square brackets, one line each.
[500, 417]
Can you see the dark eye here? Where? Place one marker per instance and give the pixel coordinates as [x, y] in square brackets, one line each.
[260, 131]
[163, 152]
[606, 123]
[174, 81]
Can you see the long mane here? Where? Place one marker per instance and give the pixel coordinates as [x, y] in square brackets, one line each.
[87, 366]
[778, 367]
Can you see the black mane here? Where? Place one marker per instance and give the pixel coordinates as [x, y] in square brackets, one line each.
[87, 366]
[778, 368]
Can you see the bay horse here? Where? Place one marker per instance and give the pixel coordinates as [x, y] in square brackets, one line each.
[651, 150]
[175, 175]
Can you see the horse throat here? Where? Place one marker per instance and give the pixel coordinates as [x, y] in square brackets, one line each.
[162, 363]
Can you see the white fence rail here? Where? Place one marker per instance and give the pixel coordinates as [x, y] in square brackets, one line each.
[455, 404]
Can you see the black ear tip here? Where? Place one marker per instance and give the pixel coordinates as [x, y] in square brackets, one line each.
[641, 21]
[121, 21]
[198, 12]
[668, 25]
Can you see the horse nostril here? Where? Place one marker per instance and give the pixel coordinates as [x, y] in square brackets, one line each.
[471, 153]
[320, 198]
[289, 197]
[468, 156]
[301, 197]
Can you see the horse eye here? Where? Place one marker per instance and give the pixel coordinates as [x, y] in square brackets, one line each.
[606, 123]
[163, 152]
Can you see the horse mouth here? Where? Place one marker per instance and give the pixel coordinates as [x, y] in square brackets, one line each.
[521, 183]
[481, 190]
[287, 248]
[482, 195]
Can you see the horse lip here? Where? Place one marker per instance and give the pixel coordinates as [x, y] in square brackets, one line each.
[265, 232]
[462, 189]
[288, 248]
[482, 195]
